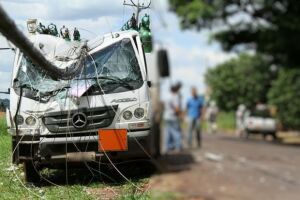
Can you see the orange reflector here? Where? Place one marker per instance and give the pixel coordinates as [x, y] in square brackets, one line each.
[112, 140]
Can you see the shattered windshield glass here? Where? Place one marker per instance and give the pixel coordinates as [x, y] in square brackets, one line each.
[34, 78]
[112, 69]
[117, 60]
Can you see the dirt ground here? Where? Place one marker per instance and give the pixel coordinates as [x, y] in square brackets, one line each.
[230, 168]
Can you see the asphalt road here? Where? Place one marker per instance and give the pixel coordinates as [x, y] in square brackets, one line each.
[230, 168]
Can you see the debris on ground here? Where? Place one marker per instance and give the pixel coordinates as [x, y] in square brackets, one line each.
[213, 157]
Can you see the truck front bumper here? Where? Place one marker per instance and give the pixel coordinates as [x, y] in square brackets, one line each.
[54, 149]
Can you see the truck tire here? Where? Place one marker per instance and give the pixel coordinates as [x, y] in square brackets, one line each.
[32, 173]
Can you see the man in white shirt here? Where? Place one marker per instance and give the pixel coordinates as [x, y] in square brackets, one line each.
[172, 113]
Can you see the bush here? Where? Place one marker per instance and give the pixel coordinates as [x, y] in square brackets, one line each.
[243, 80]
[285, 95]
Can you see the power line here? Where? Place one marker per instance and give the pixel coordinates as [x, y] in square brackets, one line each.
[139, 7]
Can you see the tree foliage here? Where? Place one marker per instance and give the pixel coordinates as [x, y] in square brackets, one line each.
[243, 80]
[285, 95]
[271, 27]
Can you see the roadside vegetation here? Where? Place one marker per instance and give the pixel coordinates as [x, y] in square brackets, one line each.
[250, 80]
[243, 80]
[226, 121]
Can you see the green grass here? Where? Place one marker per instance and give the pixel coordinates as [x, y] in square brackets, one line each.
[226, 121]
[13, 188]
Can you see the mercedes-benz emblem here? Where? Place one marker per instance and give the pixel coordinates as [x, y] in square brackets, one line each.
[79, 120]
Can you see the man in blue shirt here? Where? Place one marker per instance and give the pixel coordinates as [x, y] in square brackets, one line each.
[194, 111]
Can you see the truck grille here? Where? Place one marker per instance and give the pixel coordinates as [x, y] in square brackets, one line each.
[61, 122]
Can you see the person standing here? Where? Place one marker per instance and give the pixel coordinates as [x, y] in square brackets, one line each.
[171, 115]
[211, 116]
[62, 31]
[240, 117]
[194, 111]
[67, 35]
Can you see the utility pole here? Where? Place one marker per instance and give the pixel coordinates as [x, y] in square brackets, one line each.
[9, 29]
[139, 7]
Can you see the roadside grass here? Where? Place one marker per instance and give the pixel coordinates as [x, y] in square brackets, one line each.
[225, 122]
[12, 185]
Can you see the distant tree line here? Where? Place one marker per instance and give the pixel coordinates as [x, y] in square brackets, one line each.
[250, 79]
[243, 80]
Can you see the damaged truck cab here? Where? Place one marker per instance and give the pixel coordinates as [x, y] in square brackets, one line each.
[102, 113]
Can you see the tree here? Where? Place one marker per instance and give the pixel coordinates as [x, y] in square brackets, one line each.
[284, 94]
[271, 27]
[243, 80]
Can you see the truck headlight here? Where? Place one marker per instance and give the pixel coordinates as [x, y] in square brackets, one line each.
[139, 113]
[127, 115]
[20, 119]
[30, 121]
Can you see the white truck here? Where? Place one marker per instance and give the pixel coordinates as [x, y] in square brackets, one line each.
[109, 111]
[259, 121]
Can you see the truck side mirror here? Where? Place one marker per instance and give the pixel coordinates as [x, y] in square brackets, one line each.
[163, 63]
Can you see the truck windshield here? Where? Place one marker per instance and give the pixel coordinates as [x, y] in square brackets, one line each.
[108, 68]
[116, 60]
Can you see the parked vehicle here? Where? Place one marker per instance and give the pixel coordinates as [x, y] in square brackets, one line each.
[260, 122]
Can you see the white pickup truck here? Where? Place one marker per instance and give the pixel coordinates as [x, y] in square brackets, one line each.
[260, 122]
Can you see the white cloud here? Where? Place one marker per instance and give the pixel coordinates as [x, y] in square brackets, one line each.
[5, 77]
[62, 10]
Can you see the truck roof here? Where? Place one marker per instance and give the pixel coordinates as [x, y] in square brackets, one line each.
[59, 51]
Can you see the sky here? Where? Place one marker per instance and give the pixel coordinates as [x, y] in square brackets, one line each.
[190, 52]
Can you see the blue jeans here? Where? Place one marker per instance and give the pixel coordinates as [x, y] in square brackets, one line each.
[172, 135]
[194, 126]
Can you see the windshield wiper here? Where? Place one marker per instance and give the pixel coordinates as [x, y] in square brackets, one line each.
[116, 80]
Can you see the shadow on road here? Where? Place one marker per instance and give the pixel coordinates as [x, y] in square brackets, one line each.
[175, 162]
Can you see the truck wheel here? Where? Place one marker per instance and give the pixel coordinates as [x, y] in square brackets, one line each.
[31, 172]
